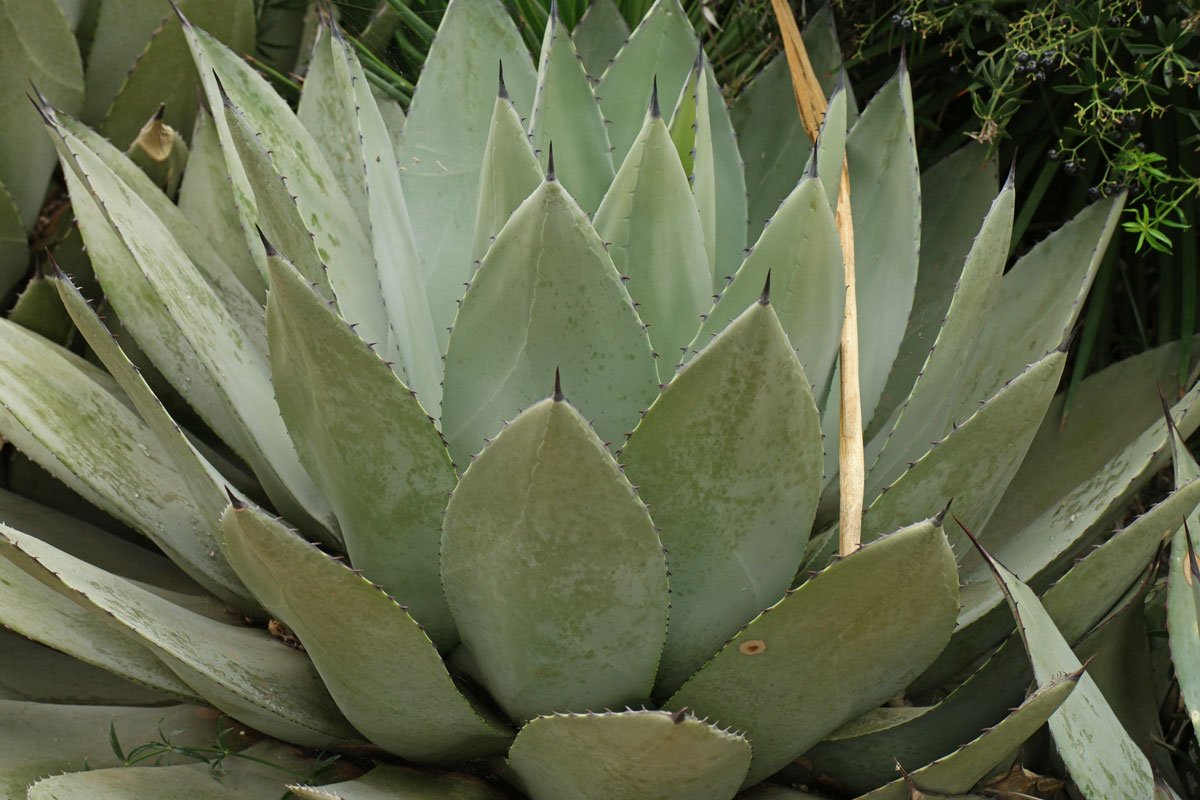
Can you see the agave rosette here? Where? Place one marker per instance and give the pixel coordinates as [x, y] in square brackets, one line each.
[573, 525]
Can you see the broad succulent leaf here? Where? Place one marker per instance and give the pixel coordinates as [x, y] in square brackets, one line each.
[1183, 611]
[186, 309]
[651, 229]
[771, 137]
[1101, 758]
[926, 416]
[829, 156]
[40, 739]
[38, 50]
[1075, 477]
[628, 755]
[521, 319]
[510, 173]
[41, 613]
[257, 773]
[729, 460]
[801, 253]
[399, 782]
[562, 606]
[786, 695]
[413, 342]
[662, 46]
[956, 196]
[862, 754]
[1039, 301]
[566, 113]
[78, 430]
[884, 183]
[962, 769]
[14, 244]
[445, 137]
[368, 444]
[31, 672]
[206, 198]
[244, 671]
[975, 462]
[600, 34]
[361, 640]
[703, 134]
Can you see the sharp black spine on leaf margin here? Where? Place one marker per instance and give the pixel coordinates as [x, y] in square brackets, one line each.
[502, 91]
[237, 505]
[655, 111]
[558, 392]
[1065, 344]
[550, 164]
[940, 517]
[266, 243]
[764, 299]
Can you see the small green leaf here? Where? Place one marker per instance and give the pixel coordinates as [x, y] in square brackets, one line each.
[662, 48]
[729, 459]
[567, 114]
[360, 640]
[617, 756]
[524, 318]
[368, 444]
[651, 227]
[544, 519]
[771, 682]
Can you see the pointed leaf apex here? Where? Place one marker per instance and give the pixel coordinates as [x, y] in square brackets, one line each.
[502, 91]
[224, 95]
[812, 171]
[553, 12]
[43, 109]
[1067, 341]
[550, 164]
[179, 12]
[158, 115]
[655, 111]
[940, 517]
[270, 248]
[558, 392]
[55, 269]
[903, 61]
[840, 86]
[1011, 180]
[698, 64]
[234, 502]
[1166, 407]
[764, 299]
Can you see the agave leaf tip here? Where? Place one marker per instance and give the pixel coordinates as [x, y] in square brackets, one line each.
[502, 91]
[558, 392]
[655, 111]
[550, 163]
[764, 299]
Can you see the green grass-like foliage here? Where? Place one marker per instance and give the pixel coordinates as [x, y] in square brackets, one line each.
[477, 437]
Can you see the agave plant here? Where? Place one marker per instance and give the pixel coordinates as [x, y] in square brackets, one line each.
[521, 472]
